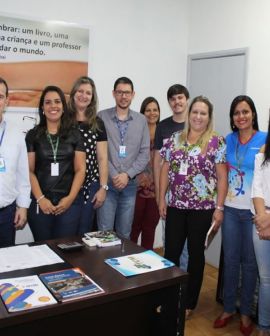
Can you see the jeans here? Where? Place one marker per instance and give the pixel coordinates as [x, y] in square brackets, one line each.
[87, 211]
[190, 225]
[50, 226]
[7, 226]
[118, 209]
[238, 255]
[262, 252]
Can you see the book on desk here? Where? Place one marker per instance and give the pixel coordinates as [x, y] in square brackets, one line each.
[70, 284]
[139, 263]
[101, 238]
[22, 293]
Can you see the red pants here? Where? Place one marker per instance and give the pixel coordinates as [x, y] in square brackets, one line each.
[146, 218]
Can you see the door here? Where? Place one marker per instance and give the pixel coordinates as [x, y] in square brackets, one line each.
[220, 76]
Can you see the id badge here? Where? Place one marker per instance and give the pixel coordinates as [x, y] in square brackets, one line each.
[55, 169]
[122, 151]
[2, 165]
[183, 168]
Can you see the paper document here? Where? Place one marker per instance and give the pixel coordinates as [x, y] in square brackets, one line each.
[24, 256]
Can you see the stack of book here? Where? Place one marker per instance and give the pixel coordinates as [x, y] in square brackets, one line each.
[101, 238]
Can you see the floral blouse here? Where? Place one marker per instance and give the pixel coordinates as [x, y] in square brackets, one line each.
[192, 174]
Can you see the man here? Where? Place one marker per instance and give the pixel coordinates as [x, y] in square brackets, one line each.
[14, 176]
[178, 97]
[129, 151]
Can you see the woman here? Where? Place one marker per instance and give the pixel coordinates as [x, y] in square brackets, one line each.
[261, 232]
[82, 109]
[195, 173]
[146, 215]
[242, 146]
[56, 157]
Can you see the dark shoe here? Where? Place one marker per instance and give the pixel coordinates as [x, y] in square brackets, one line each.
[222, 322]
[246, 330]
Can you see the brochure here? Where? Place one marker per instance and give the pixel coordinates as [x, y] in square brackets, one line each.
[70, 284]
[24, 293]
[101, 238]
[139, 263]
[210, 235]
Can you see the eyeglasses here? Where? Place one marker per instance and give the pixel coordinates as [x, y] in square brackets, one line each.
[123, 93]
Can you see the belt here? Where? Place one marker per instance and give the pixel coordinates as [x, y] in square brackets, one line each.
[6, 207]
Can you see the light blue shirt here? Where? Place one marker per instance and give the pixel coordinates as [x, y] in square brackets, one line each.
[14, 181]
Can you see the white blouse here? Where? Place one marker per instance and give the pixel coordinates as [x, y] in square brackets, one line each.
[261, 180]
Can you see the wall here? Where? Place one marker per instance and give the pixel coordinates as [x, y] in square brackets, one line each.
[139, 39]
[221, 25]
[144, 40]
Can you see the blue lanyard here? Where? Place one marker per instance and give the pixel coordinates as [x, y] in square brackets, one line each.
[2, 135]
[122, 127]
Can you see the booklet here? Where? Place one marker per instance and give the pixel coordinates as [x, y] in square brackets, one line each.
[101, 238]
[24, 293]
[70, 284]
[139, 263]
[210, 235]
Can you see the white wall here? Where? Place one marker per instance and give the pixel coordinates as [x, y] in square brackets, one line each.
[229, 24]
[145, 40]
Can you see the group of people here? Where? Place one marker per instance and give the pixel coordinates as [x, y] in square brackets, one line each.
[134, 169]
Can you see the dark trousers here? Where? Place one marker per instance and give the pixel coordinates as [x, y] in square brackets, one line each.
[146, 218]
[193, 226]
[7, 228]
[46, 227]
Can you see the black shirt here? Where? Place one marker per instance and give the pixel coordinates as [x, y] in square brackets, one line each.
[165, 130]
[68, 144]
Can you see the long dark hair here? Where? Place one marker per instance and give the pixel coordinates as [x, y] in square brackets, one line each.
[267, 146]
[91, 110]
[65, 122]
[249, 101]
[147, 101]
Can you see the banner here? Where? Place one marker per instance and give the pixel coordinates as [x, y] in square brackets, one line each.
[34, 54]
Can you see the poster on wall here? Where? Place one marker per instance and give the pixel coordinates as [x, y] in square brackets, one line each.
[34, 54]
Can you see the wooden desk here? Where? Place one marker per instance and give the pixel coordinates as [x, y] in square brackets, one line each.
[128, 306]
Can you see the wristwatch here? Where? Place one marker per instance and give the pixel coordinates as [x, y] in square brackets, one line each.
[104, 186]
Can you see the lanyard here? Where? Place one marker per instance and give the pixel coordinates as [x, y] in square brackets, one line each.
[240, 159]
[122, 127]
[3, 133]
[54, 146]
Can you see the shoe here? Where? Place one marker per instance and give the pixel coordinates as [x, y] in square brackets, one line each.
[246, 330]
[222, 322]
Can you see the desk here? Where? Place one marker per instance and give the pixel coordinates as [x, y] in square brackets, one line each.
[128, 306]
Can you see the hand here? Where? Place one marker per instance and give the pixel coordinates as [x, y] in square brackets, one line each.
[264, 233]
[217, 218]
[262, 220]
[46, 206]
[162, 208]
[120, 181]
[99, 198]
[20, 218]
[63, 205]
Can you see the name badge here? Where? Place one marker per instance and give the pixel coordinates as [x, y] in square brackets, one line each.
[183, 168]
[55, 169]
[2, 165]
[122, 151]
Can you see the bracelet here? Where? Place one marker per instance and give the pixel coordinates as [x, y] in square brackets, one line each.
[40, 198]
[221, 208]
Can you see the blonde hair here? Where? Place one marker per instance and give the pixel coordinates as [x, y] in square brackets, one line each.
[208, 133]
